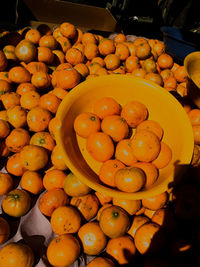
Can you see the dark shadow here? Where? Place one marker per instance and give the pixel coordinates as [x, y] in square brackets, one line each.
[13, 223]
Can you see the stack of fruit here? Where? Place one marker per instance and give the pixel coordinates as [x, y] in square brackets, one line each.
[37, 69]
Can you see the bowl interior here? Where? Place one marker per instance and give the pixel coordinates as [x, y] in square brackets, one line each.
[162, 107]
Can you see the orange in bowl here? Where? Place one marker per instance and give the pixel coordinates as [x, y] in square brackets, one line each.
[162, 107]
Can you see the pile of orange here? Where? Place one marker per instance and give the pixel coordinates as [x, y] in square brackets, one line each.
[37, 69]
[125, 141]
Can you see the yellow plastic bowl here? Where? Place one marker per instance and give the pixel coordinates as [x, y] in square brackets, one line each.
[162, 107]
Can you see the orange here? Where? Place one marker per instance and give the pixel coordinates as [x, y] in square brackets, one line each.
[82, 69]
[106, 106]
[100, 146]
[5, 87]
[25, 51]
[196, 133]
[88, 38]
[180, 74]
[106, 47]
[131, 63]
[38, 119]
[101, 209]
[33, 35]
[78, 37]
[14, 165]
[103, 198]
[164, 157]
[4, 230]
[170, 82]
[43, 139]
[94, 67]
[54, 179]
[146, 145]
[6, 183]
[68, 78]
[101, 262]
[48, 41]
[49, 102]
[181, 90]
[155, 202]
[25, 87]
[19, 74]
[4, 129]
[148, 213]
[65, 220]
[59, 57]
[88, 205]
[30, 100]
[116, 127]
[122, 249]
[16, 203]
[3, 61]
[149, 238]
[159, 47]
[114, 221]
[17, 116]
[120, 37]
[86, 123]
[35, 66]
[166, 73]
[130, 179]
[91, 51]
[3, 115]
[33, 157]
[74, 187]
[165, 218]
[122, 51]
[165, 61]
[51, 200]
[64, 43]
[143, 50]
[4, 76]
[54, 124]
[112, 61]
[139, 41]
[68, 30]
[152, 126]
[16, 254]
[194, 116]
[45, 55]
[74, 56]
[10, 100]
[41, 80]
[17, 139]
[134, 113]
[57, 159]
[92, 238]
[131, 206]
[151, 172]
[59, 92]
[120, 70]
[63, 250]
[137, 221]
[154, 77]
[99, 60]
[131, 47]
[31, 181]
[107, 171]
[124, 152]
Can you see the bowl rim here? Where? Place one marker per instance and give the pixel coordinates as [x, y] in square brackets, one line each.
[103, 188]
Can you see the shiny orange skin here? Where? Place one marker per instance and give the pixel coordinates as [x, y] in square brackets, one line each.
[33, 35]
[116, 127]
[57, 159]
[10, 100]
[150, 170]
[74, 56]
[38, 119]
[16, 203]
[59, 92]
[134, 113]
[14, 165]
[19, 74]
[59, 57]
[101, 262]
[68, 78]
[114, 221]
[132, 62]
[137, 221]
[4, 129]
[16, 254]
[4, 230]
[54, 124]
[122, 51]
[30, 100]
[54, 179]
[51, 200]
[164, 157]
[196, 133]
[63, 250]
[146, 145]
[143, 51]
[180, 74]
[103, 199]
[48, 41]
[36, 66]
[3, 115]
[88, 37]
[112, 61]
[25, 87]
[108, 170]
[33, 157]
[6, 184]
[31, 181]
[43, 139]
[194, 116]
[4, 151]
[130, 206]
[92, 238]
[100, 146]
[25, 51]
[86, 123]
[65, 220]
[124, 152]
[64, 43]
[106, 106]
[130, 179]
[116, 247]
[17, 116]
[155, 202]
[5, 87]
[165, 61]
[17, 139]
[91, 51]
[154, 77]
[50, 102]
[106, 47]
[88, 205]
[41, 80]
[68, 30]
[82, 69]
[45, 55]
[152, 126]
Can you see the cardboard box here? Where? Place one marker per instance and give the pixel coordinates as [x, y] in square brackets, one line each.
[54, 12]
